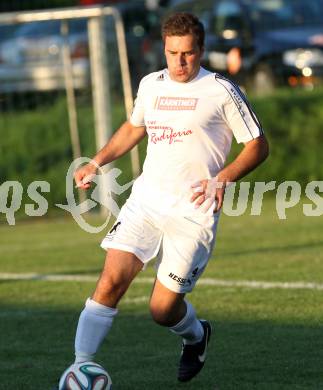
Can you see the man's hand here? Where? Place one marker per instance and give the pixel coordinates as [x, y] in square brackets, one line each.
[84, 175]
[209, 190]
[205, 192]
[123, 140]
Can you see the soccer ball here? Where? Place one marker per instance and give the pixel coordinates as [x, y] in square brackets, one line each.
[85, 376]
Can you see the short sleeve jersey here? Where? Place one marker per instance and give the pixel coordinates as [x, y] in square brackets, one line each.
[190, 128]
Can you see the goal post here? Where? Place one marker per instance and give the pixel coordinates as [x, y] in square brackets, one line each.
[98, 61]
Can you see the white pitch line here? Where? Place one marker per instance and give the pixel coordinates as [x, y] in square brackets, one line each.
[261, 284]
[253, 284]
[48, 277]
[135, 300]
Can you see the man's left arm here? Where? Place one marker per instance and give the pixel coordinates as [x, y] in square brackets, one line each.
[253, 154]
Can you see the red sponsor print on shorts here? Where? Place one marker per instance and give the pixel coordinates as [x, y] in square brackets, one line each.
[175, 103]
[169, 135]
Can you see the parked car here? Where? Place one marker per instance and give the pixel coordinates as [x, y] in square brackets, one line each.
[262, 43]
[31, 58]
[6, 31]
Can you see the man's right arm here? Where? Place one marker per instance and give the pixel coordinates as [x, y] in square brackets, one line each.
[123, 140]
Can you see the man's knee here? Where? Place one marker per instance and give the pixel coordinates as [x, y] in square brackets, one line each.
[161, 314]
[109, 291]
[167, 308]
[167, 313]
[119, 270]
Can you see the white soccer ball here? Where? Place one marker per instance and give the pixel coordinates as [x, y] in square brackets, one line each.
[85, 376]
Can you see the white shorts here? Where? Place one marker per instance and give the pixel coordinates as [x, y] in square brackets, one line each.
[182, 244]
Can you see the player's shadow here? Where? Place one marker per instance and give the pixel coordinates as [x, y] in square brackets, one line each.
[141, 355]
[242, 356]
[265, 355]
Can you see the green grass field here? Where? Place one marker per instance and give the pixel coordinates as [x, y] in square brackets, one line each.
[266, 339]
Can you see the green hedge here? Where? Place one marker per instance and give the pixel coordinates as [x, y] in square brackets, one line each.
[293, 124]
[35, 144]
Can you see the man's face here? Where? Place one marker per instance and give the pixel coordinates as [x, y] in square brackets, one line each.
[183, 57]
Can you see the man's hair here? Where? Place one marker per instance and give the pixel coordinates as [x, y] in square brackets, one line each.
[183, 23]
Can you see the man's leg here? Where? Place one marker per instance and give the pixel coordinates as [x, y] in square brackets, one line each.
[169, 308]
[96, 319]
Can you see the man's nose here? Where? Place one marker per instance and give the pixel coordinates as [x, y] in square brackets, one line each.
[181, 60]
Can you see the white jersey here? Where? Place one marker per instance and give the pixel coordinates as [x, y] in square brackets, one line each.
[190, 128]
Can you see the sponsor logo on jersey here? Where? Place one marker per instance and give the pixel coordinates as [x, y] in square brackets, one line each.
[175, 103]
[169, 135]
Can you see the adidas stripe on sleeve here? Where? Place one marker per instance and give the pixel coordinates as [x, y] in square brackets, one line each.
[238, 114]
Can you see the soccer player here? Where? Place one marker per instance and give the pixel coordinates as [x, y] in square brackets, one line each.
[189, 116]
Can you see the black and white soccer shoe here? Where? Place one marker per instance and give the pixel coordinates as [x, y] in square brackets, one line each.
[194, 355]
